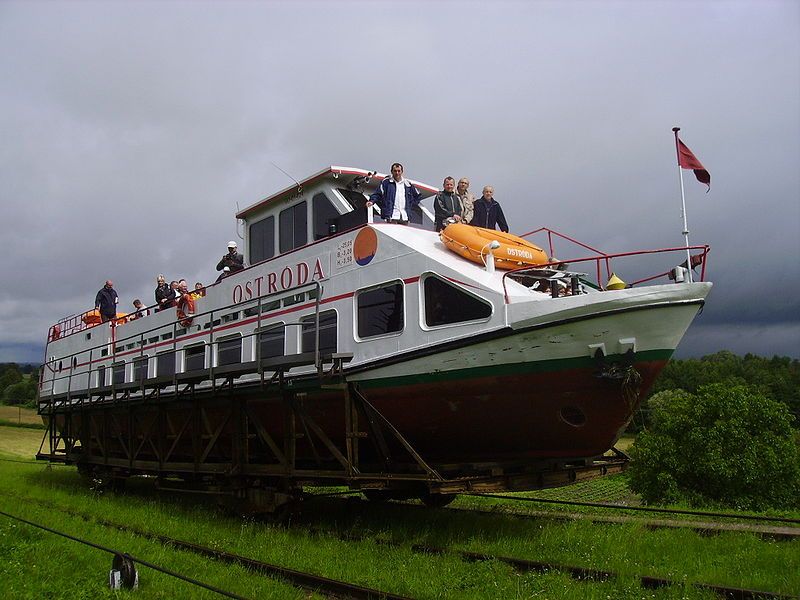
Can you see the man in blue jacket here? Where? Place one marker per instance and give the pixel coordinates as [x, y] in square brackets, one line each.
[488, 213]
[396, 197]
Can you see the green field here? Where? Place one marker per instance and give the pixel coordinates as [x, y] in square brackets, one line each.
[17, 414]
[36, 564]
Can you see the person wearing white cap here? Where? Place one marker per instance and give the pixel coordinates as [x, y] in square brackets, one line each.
[233, 260]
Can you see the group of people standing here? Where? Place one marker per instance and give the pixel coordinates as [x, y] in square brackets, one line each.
[396, 195]
[166, 295]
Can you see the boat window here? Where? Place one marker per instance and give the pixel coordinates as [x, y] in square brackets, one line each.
[324, 213]
[140, 369]
[262, 240]
[272, 340]
[327, 332]
[356, 199]
[194, 357]
[165, 364]
[119, 373]
[380, 310]
[446, 304]
[229, 351]
[101, 376]
[293, 225]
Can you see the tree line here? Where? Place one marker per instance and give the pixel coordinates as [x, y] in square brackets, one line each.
[777, 378]
[18, 384]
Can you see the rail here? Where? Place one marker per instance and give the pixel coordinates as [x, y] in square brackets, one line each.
[177, 329]
[698, 259]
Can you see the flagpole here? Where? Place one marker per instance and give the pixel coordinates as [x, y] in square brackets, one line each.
[683, 206]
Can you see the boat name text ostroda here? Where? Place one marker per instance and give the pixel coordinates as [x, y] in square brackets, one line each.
[279, 280]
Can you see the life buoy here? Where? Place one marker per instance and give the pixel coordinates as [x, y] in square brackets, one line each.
[185, 310]
[55, 333]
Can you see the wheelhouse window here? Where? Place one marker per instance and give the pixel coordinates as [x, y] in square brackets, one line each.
[194, 357]
[293, 225]
[327, 332]
[262, 240]
[165, 364]
[119, 373]
[324, 215]
[140, 369]
[380, 310]
[229, 351]
[272, 341]
[446, 304]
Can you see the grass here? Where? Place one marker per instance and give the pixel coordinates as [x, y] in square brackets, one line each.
[19, 442]
[19, 415]
[314, 542]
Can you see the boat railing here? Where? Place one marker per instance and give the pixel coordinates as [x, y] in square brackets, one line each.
[111, 347]
[604, 262]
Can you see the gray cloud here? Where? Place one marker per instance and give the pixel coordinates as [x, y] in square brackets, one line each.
[130, 131]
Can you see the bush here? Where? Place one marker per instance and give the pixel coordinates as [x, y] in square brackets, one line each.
[727, 445]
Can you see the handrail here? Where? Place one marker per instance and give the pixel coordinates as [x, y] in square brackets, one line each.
[141, 335]
[705, 248]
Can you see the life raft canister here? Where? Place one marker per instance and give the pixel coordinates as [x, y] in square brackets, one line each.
[473, 244]
[185, 310]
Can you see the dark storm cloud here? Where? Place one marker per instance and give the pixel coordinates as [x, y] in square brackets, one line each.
[130, 131]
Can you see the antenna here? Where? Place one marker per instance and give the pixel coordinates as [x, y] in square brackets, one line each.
[299, 187]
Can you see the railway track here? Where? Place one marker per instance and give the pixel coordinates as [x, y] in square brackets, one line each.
[778, 533]
[339, 589]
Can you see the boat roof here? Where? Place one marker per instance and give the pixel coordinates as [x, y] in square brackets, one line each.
[332, 172]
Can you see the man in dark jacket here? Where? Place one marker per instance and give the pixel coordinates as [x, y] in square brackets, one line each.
[446, 205]
[106, 302]
[488, 212]
[233, 260]
[396, 197]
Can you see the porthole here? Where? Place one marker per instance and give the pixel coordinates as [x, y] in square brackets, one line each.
[572, 415]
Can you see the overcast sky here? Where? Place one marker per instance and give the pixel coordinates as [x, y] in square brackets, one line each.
[130, 132]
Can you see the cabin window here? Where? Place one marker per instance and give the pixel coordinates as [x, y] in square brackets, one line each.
[194, 358]
[356, 199]
[380, 310]
[293, 225]
[327, 332]
[446, 304]
[165, 364]
[272, 341]
[325, 214]
[101, 376]
[229, 351]
[140, 369]
[262, 240]
[119, 373]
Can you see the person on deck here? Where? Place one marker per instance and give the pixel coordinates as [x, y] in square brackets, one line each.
[467, 200]
[162, 292]
[396, 197]
[488, 213]
[139, 310]
[446, 205]
[106, 302]
[233, 260]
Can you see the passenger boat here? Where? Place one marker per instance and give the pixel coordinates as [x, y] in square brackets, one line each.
[367, 354]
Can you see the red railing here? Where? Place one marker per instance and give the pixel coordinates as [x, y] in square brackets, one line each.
[601, 258]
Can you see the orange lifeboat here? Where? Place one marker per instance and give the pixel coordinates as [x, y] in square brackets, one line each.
[473, 244]
[93, 317]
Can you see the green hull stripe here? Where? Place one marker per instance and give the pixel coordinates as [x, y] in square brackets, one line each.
[541, 366]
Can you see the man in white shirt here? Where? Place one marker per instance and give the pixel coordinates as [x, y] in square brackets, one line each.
[395, 196]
